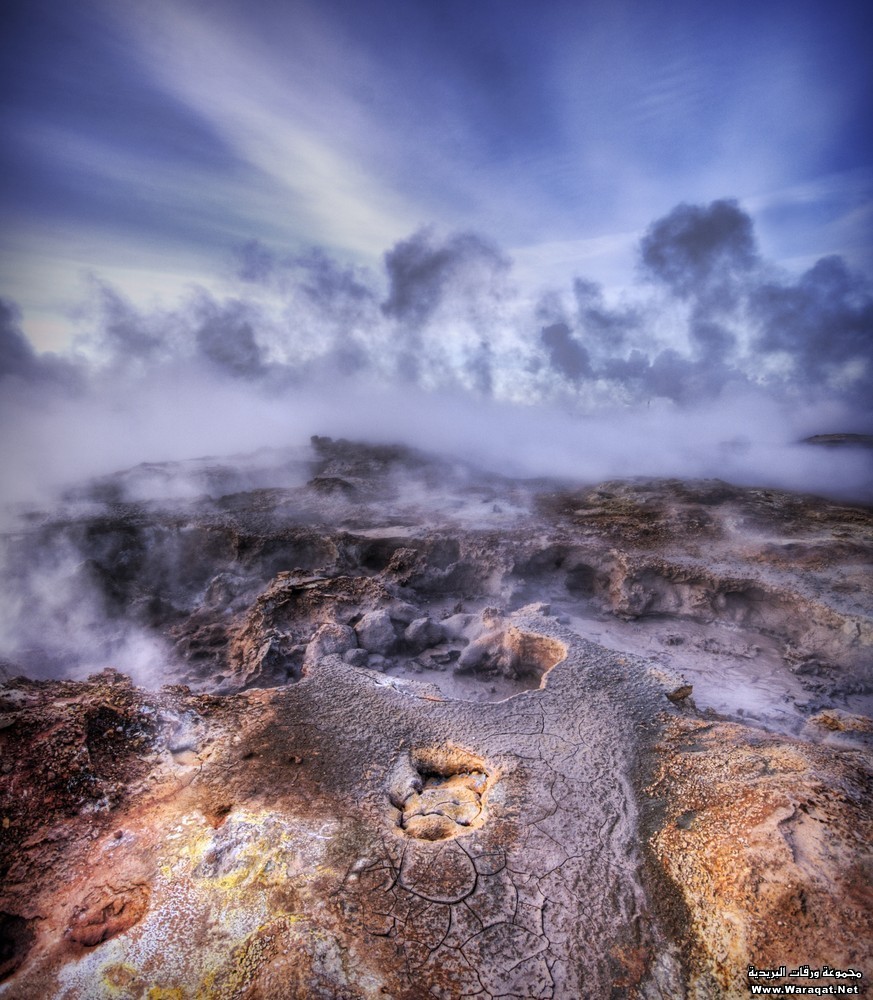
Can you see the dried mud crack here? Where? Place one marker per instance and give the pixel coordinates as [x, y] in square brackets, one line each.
[422, 732]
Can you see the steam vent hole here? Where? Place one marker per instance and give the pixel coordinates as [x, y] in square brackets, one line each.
[533, 656]
[512, 661]
[445, 796]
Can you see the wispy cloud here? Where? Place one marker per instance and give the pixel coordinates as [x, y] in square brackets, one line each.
[284, 115]
[180, 129]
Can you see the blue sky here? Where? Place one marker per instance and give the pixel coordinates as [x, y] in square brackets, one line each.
[144, 141]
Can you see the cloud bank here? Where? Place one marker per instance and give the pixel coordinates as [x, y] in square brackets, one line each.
[716, 364]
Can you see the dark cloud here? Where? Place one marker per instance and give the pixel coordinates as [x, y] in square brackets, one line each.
[123, 326]
[452, 320]
[443, 297]
[700, 250]
[18, 360]
[341, 291]
[117, 333]
[255, 262]
[606, 329]
[225, 337]
[712, 341]
[17, 357]
[330, 284]
[630, 371]
[703, 254]
[566, 354]
[480, 367]
[422, 273]
[823, 323]
[815, 333]
[675, 376]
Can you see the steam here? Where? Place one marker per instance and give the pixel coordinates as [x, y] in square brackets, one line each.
[718, 365]
[56, 618]
[715, 365]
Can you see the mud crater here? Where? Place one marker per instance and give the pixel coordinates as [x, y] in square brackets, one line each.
[441, 793]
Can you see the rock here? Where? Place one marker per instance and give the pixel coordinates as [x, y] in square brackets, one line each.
[268, 666]
[423, 633]
[328, 639]
[488, 652]
[674, 685]
[357, 657]
[537, 608]
[106, 915]
[375, 632]
[836, 721]
[680, 693]
[403, 612]
[185, 733]
[455, 626]
[443, 659]
[376, 661]
[808, 668]
[332, 486]
[760, 837]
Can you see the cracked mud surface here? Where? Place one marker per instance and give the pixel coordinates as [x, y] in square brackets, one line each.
[436, 734]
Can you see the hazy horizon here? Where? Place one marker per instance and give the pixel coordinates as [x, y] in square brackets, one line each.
[595, 240]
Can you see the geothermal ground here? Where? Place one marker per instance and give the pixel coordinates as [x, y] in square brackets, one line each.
[399, 729]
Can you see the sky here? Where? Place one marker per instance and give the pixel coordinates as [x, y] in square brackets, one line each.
[580, 205]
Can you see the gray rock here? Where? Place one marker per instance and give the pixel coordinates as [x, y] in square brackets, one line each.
[482, 653]
[442, 659]
[403, 612]
[269, 666]
[423, 633]
[356, 657]
[328, 639]
[375, 632]
[455, 625]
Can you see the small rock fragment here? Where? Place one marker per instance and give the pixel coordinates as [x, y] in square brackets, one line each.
[680, 693]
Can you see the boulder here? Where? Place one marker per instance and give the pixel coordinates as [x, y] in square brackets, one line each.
[454, 626]
[488, 652]
[264, 666]
[403, 612]
[423, 633]
[375, 632]
[329, 638]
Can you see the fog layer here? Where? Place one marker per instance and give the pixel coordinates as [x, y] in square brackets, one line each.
[716, 364]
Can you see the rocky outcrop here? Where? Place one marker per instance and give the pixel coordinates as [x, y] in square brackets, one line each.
[766, 839]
